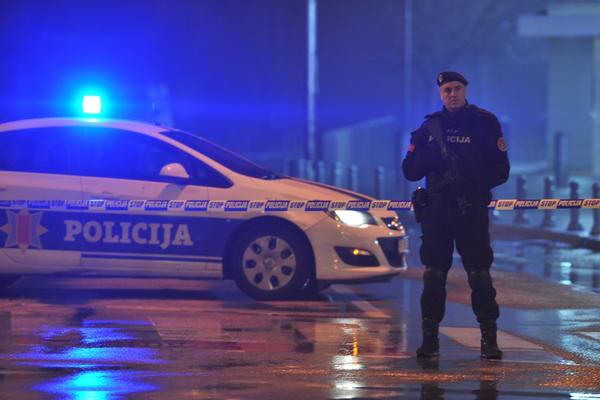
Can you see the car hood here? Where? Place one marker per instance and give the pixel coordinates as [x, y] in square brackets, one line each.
[299, 189]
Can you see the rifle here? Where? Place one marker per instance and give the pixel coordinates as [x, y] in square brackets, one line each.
[452, 174]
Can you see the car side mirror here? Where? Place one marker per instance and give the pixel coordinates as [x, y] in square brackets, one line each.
[174, 170]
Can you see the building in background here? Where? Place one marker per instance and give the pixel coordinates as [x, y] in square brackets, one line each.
[572, 31]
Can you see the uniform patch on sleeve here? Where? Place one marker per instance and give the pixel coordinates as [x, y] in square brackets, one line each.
[502, 146]
[411, 148]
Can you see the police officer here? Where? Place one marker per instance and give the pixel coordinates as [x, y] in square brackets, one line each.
[461, 153]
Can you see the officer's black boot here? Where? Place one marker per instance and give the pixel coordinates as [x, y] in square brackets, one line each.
[489, 345]
[431, 344]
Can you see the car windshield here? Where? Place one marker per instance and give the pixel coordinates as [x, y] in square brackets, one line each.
[223, 156]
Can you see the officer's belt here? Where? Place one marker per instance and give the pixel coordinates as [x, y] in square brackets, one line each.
[442, 198]
[448, 199]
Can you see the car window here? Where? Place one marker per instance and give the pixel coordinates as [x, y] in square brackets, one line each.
[113, 153]
[45, 150]
[223, 156]
[101, 152]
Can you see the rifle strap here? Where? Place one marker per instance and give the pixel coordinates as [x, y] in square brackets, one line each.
[434, 126]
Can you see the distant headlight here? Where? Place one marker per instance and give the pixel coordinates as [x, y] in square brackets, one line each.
[358, 219]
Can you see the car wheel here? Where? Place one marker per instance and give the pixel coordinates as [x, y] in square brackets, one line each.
[272, 262]
[7, 280]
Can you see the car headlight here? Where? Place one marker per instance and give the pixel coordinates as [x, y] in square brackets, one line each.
[358, 219]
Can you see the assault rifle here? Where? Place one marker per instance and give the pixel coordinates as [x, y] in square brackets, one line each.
[452, 174]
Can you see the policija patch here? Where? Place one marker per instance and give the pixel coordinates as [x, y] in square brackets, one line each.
[502, 146]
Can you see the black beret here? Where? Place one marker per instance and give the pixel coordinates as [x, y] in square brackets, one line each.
[450, 76]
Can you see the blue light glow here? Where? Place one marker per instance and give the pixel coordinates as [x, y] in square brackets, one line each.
[111, 355]
[97, 385]
[92, 104]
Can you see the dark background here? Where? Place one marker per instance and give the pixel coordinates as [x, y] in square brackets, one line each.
[235, 71]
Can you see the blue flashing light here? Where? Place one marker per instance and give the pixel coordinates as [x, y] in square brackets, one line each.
[92, 105]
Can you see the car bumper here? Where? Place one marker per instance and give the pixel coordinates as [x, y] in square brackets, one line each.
[379, 278]
[388, 247]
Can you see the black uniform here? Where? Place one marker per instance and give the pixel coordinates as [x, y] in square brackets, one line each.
[457, 203]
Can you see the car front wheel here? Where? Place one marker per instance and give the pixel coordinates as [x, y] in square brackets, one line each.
[272, 262]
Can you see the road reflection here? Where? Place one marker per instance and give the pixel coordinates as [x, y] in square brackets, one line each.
[100, 357]
[577, 267]
[333, 347]
[97, 385]
[434, 391]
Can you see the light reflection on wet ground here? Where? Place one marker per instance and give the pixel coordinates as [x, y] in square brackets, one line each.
[96, 385]
[76, 338]
[555, 262]
[97, 356]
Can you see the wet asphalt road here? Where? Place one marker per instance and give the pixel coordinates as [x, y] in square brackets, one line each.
[127, 338]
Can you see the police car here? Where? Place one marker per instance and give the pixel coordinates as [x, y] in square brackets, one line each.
[116, 197]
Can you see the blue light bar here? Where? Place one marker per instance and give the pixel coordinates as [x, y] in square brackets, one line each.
[92, 105]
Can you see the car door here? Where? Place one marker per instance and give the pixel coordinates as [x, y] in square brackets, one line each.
[36, 171]
[160, 236]
[125, 165]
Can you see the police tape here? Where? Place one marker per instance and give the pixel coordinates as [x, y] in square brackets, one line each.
[275, 205]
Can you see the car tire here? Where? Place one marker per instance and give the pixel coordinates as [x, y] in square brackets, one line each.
[7, 280]
[272, 262]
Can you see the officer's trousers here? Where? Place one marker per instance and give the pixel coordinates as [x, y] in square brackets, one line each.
[444, 225]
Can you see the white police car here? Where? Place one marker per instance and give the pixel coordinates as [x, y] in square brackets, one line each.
[120, 197]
